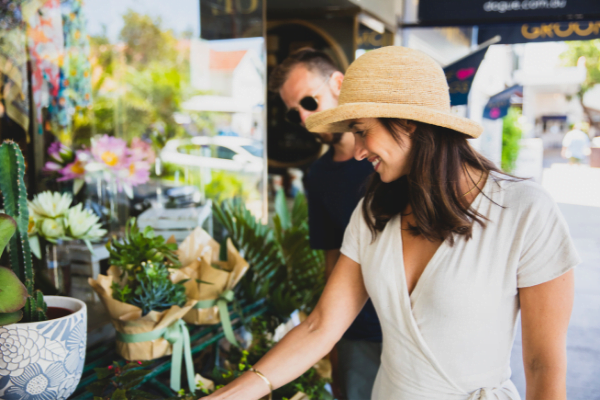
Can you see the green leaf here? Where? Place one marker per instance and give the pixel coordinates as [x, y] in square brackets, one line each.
[10, 318]
[102, 373]
[13, 294]
[8, 226]
[281, 209]
[97, 388]
[119, 394]
[34, 245]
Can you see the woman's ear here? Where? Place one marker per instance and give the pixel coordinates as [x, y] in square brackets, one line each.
[409, 126]
[335, 83]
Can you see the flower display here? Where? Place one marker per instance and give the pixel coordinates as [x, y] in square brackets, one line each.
[50, 204]
[53, 218]
[128, 166]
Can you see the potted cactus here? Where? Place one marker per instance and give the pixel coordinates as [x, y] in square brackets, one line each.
[42, 339]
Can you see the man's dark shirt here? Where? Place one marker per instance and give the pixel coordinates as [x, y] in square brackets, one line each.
[333, 191]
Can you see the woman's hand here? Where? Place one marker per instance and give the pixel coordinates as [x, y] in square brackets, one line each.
[342, 299]
[545, 313]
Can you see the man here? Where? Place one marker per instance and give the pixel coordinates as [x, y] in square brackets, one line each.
[308, 82]
[576, 145]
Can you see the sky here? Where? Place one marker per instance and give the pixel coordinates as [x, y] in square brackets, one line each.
[179, 15]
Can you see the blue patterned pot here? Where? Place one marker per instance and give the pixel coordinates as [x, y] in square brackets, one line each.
[44, 360]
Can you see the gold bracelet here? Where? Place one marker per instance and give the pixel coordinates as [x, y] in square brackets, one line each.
[264, 378]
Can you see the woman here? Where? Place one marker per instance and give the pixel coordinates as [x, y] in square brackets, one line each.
[448, 248]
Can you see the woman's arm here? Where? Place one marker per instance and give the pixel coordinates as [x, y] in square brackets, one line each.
[545, 314]
[341, 301]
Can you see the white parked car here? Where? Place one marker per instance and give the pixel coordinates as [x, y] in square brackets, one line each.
[229, 153]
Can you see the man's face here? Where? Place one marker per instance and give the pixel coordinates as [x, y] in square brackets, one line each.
[301, 83]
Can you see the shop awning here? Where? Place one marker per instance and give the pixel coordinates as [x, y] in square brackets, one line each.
[497, 106]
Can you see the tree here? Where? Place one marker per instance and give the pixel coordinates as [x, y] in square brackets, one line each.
[590, 49]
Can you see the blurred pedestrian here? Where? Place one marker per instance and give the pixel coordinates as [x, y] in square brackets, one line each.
[576, 145]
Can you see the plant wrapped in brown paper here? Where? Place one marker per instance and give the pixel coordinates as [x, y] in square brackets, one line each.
[150, 336]
[211, 280]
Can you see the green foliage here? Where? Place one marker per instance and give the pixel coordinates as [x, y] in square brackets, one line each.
[138, 246]
[13, 294]
[8, 227]
[241, 361]
[119, 382]
[152, 75]
[14, 196]
[511, 137]
[225, 185]
[151, 289]
[283, 267]
[590, 49]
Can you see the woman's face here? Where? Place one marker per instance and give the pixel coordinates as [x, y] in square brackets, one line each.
[375, 143]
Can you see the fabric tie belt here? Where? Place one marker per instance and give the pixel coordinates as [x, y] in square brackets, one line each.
[178, 335]
[221, 302]
[493, 393]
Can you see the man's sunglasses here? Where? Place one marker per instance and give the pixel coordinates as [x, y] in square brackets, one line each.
[309, 103]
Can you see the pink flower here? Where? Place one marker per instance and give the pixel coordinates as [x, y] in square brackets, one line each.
[137, 173]
[110, 152]
[74, 170]
[141, 150]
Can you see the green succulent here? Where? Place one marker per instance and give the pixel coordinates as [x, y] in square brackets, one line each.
[151, 289]
[138, 246]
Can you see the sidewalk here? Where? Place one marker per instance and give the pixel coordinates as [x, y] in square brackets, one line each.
[577, 190]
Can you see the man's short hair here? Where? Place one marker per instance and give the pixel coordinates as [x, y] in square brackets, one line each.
[313, 60]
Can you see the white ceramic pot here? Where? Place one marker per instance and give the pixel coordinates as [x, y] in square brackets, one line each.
[44, 360]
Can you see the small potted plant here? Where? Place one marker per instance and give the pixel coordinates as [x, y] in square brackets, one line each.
[145, 296]
[42, 344]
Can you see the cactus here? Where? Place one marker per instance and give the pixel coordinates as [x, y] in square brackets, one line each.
[14, 195]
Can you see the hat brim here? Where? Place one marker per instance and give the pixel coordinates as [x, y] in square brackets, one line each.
[338, 119]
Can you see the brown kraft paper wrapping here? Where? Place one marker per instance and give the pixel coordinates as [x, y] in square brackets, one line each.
[199, 253]
[127, 318]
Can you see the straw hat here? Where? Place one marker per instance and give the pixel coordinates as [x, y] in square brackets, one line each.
[393, 82]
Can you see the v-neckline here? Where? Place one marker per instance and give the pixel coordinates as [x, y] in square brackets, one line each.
[413, 296]
[440, 250]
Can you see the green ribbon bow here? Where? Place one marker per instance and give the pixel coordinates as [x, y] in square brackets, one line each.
[221, 302]
[178, 335]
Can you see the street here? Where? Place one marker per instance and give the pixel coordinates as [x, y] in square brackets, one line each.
[577, 190]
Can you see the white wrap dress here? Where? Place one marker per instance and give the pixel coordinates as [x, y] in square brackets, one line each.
[451, 338]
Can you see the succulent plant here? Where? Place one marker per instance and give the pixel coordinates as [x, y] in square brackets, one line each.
[13, 294]
[14, 195]
[151, 289]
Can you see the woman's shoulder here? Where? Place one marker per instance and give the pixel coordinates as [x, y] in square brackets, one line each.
[525, 193]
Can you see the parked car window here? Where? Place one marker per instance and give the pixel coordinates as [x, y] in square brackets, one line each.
[225, 153]
[255, 150]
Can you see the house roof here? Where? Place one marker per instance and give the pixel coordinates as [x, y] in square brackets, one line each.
[225, 60]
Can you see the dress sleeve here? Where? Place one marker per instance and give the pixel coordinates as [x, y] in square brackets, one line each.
[352, 236]
[548, 250]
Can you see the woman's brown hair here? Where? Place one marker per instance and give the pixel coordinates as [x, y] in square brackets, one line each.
[438, 157]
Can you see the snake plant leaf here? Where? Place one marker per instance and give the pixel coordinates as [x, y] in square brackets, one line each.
[13, 294]
[10, 318]
[8, 226]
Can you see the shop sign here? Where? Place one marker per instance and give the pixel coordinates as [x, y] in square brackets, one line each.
[541, 32]
[497, 106]
[230, 19]
[475, 12]
[460, 75]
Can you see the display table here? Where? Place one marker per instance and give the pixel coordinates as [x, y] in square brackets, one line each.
[102, 354]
